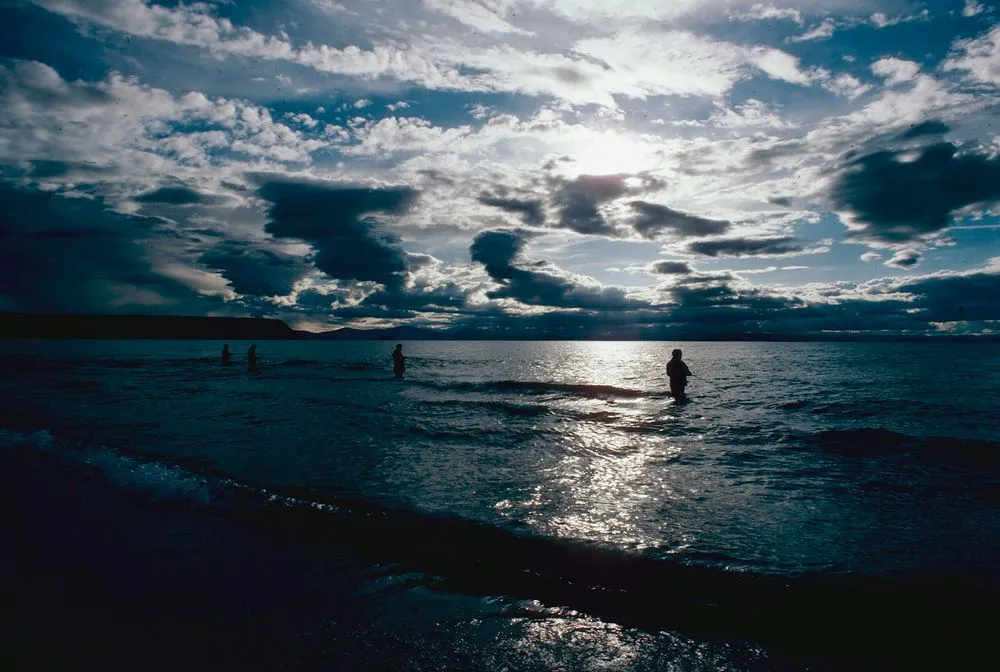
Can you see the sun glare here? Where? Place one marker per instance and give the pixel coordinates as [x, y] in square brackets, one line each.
[611, 153]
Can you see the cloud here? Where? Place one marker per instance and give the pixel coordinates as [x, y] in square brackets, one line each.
[531, 210]
[173, 196]
[927, 128]
[579, 199]
[670, 268]
[761, 12]
[746, 247]
[896, 70]
[979, 57]
[972, 8]
[904, 259]
[339, 222]
[653, 219]
[255, 269]
[500, 253]
[822, 31]
[871, 256]
[75, 255]
[944, 297]
[889, 197]
[845, 85]
[476, 16]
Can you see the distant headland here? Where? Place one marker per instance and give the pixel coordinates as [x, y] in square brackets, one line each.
[35, 325]
[31, 325]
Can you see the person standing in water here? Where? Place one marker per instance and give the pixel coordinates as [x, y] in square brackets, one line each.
[226, 355]
[678, 373]
[398, 361]
[252, 356]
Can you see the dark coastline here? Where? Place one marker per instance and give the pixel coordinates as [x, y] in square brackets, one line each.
[168, 327]
[31, 326]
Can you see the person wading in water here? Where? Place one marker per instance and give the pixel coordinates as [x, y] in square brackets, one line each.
[398, 361]
[678, 373]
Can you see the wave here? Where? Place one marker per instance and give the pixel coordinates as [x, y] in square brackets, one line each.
[539, 388]
[881, 442]
[470, 557]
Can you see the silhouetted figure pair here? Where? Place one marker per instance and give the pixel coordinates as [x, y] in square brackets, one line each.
[227, 356]
[398, 361]
[678, 373]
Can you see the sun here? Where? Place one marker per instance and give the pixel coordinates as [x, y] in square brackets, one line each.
[611, 153]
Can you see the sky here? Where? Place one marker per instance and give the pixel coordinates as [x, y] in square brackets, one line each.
[557, 168]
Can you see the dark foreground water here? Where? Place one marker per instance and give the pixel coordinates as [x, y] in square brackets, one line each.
[506, 506]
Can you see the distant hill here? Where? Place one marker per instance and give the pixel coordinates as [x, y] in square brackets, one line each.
[399, 334]
[30, 325]
[418, 334]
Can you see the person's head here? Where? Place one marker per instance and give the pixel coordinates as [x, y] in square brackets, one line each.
[399, 346]
[225, 346]
[676, 354]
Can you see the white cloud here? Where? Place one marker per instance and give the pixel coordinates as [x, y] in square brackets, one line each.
[881, 20]
[362, 103]
[135, 132]
[823, 31]
[845, 85]
[896, 70]
[682, 63]
[483, 16]
[751, 114]
[761, 12]
[328, 6]
[972, 8]
[871, 256]
[396, 134]
[400, 105]
[978, 57]
[778, 64]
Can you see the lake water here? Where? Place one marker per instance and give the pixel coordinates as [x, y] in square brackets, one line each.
[518, 505]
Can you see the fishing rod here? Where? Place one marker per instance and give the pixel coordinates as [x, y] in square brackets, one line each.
[694, 375]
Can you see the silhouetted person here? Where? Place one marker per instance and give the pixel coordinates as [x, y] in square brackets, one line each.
[398, 361]
[678, 373]
[252, 356]
[227, 356]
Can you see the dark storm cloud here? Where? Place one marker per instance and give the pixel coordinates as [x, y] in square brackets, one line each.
[899, 202]
[745, 247]
[529, 209]
[255, 270]
[579, 201]
[338, 221]
[359, 311]
[926, 128]
[446, 296]
[949, 298]
[670, 268]
[783, 201]
[500, 254]
[74, 255]
[313, 299]
[173, 196]
[653, 219]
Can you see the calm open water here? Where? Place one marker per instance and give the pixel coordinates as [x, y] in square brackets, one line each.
[539, 505]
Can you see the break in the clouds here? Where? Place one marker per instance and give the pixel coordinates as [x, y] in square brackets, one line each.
[481, 164]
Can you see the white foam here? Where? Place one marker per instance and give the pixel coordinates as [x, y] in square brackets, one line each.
[41, 439]
[161, 482]
[151, 479]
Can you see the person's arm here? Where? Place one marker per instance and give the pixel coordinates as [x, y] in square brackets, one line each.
[687, 370]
